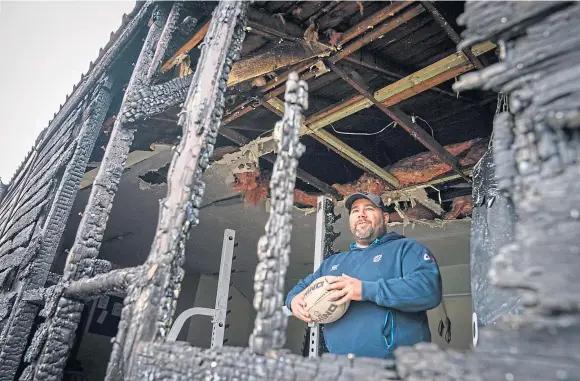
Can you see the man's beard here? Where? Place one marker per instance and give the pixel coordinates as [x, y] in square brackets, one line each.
[367, 233]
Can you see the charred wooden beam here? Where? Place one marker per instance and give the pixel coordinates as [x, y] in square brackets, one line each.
[370, 22]
[151, 301]
[281, 55]
[186, 48]
[112, 282]
[327, 139]
[451, 32]
[402, 119]
[377, 33]
[63, 321]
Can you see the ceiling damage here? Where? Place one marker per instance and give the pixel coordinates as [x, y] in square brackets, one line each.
[383, 116]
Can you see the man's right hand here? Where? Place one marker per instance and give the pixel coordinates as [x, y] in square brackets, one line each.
[298, 306]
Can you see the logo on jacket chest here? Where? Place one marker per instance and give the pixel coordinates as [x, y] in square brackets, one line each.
[334, 268]
[377, 258]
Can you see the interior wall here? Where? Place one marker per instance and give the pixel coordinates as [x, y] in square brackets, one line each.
[240, 320]
[459, 311]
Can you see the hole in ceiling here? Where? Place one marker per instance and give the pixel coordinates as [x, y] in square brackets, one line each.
[157, 176]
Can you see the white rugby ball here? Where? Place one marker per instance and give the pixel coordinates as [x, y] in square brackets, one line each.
[318, 305]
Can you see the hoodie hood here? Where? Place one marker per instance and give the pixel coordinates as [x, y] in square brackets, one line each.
[391, 236]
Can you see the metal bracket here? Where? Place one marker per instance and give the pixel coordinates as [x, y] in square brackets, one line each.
[218, 314]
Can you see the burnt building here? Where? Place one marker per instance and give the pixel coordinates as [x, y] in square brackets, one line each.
[103, 244]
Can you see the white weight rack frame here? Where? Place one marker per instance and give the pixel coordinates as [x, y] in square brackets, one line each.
[217, 314]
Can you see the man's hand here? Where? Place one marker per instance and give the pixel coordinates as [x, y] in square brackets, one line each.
[298, 306]
[348, 288]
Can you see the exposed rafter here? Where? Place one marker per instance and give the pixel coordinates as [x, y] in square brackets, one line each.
[186, 48]
[277, 106]
[415, 83]
[402, 119]
[379, 32]
[451, 32]
[406, 87]
[372, 21]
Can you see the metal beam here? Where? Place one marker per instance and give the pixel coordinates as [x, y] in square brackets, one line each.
[451, 32]
[374, 63]
[397, 115]
[415, 83]
[277, 106]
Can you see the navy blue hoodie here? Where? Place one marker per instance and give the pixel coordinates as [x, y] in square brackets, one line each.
[400, 282]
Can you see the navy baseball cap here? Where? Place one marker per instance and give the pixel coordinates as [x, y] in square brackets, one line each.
[369, 196]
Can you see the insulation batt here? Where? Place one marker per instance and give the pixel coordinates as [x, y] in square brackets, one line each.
[416, 169]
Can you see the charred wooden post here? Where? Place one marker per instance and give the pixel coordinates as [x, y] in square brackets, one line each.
[274, 247]
[64, 317]
[43, 247]
[536, 150]
[3, 188]
[150, 303]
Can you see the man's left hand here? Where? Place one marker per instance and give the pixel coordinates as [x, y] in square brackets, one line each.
[348, 288]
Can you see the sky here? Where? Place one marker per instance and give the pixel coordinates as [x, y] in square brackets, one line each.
[45, 46]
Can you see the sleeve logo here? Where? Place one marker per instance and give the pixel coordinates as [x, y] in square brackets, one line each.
[427, 257]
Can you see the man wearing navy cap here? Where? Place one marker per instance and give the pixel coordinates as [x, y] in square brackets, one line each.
[390, 280]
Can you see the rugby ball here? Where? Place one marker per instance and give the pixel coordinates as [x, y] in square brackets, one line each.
[318, 305]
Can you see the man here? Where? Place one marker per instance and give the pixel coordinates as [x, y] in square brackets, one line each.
[390, 280]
